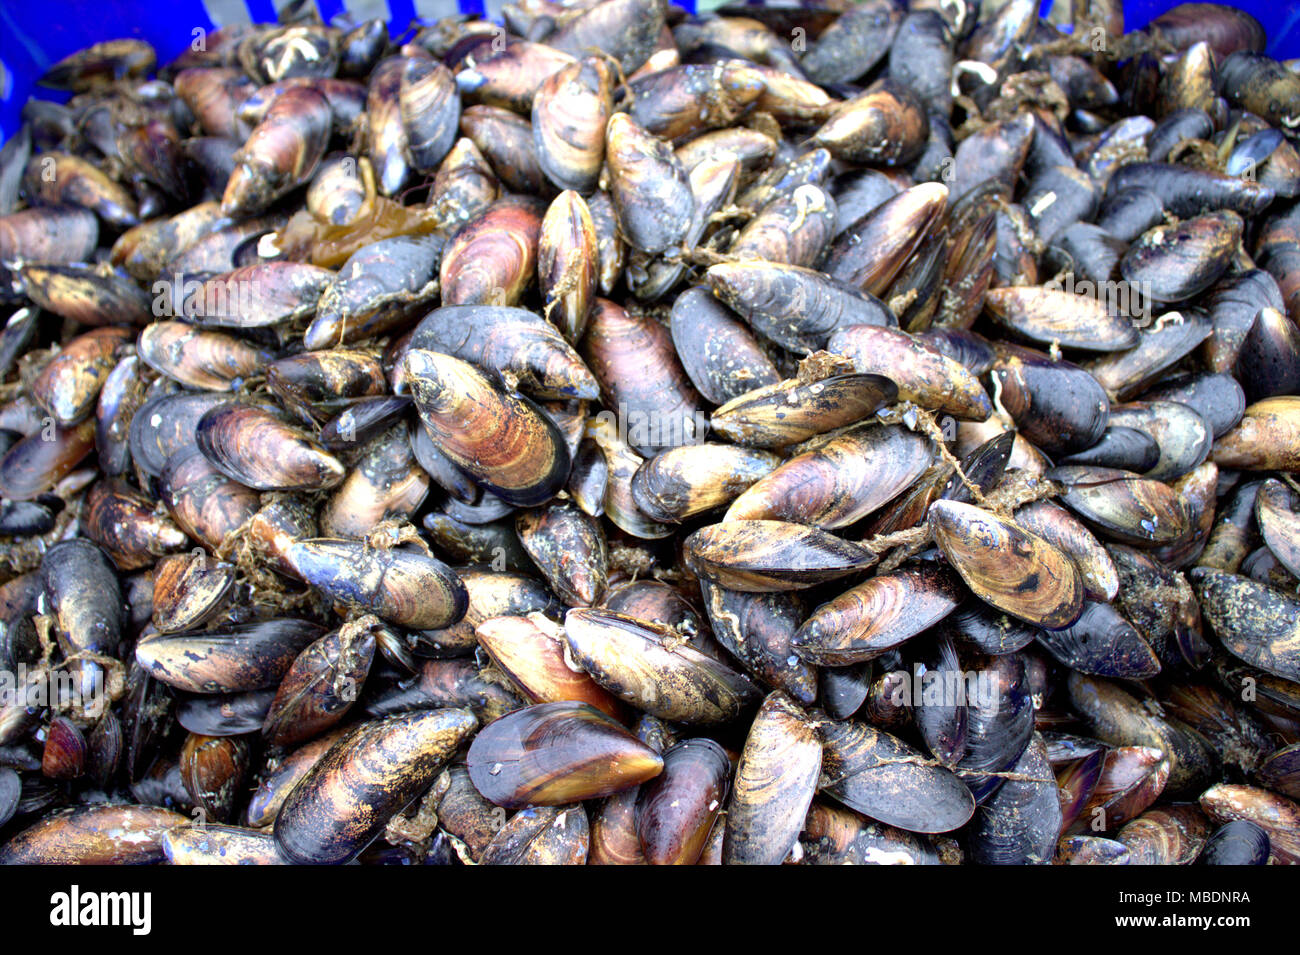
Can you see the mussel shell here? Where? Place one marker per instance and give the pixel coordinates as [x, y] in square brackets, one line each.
[555, 753]
[1253, 621]
[1057, 405]
[569, 547]
[923, 374]
[877, 615]
[541, 835]
[764, 556]
[1240, 842]
[648, 186]
[93, 835]
[719, 355]
[681, 482]
[885, 779]
[501, 439]
[511, 341]
[677, 809]
[757, 629]
[405, 587]
[1103, 643]
[1057, 526]
[774, 784]
[1072, 321]
[166, 424]
[641, 662]
[320, 687]
[1008, 567]
[232, 660]
[1020, 823]
[1124, 506]
[1169, 836]
[1267, 438]
[776, 416]
[1276, 815]
[798, 308]
[371, 773]
[1279, 523]
[259, 450]
[217, 844]
[841, 481]
[531, 652]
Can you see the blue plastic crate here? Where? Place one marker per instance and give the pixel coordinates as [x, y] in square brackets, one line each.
[34, 35]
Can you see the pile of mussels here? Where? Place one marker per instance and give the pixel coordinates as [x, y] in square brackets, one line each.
[813, 433]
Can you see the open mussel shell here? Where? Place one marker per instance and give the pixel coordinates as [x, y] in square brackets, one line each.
[653, 668]
[774, 785]
[877, 615]
[884, 778]
[764, 556]
[555, 753]
[1008, 567]
[370, 774]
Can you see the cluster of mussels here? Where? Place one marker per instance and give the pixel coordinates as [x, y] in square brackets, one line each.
[815, 433]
